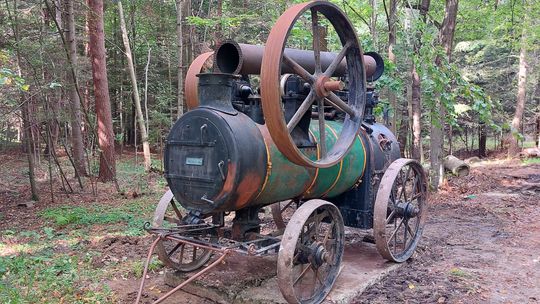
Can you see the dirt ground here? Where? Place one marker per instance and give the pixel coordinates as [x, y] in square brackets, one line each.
[481, 243]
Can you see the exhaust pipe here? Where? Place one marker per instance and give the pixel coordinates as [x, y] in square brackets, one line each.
[244, 59]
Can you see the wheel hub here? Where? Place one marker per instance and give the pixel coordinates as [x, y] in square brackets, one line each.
[318, 254]
[324, 85]
[407, 210]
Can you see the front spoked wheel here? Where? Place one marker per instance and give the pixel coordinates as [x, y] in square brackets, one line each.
[311, 252]
[180, 256]
[400, 210]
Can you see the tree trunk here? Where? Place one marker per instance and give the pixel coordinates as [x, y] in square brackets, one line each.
[416, 107]
[446, 38]
[136, 97]
[391, 20]
[416, 94]
[219, 29]
[482, 139]
[180, 47]
[536, 98]
[76, 133]
[25, 108]
[403, 129]
[373, 23]
[107, 161]
[513, 148]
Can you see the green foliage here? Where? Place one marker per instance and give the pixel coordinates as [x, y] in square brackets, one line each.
[531, 161]
[138, 267]
[131, 216]
[8, 77]
[48, 277]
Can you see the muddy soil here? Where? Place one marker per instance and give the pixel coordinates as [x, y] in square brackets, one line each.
[481, 243]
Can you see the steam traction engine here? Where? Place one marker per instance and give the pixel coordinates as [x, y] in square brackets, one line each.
[305, 138]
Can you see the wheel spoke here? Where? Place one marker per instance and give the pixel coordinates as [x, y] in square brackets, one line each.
[322, 128]
[402, 192]
[316, 272]
[306, 105]
[181, 254]
[393, 235]
[391, 216]
[335, 63]
[405, 235]
[340, 104]
[287, 205]
[194, 253]
[327, 235]
[298, 69]
[174, 249]
[316, 40]
[409, 230]
[416, 196]
[176, 210]
[302, 274]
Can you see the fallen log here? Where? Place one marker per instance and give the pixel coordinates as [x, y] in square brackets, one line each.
[530, 152]
[456, 166]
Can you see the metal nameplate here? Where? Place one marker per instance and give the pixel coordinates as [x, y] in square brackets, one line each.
[194, 161]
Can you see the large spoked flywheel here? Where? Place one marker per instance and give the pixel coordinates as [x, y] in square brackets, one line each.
[310, 253]
[321, 78]
[400, 210]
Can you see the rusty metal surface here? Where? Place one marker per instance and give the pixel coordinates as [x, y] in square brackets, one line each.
[224, 253]
[145, 271]
[244, 59]
[278, 210]
[274, 57]
[313, 243]
[167, 256]
[192, 81]
[395, 208]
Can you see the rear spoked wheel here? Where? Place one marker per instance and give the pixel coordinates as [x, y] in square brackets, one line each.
[179, 256]
[311, 252]
[400, 210]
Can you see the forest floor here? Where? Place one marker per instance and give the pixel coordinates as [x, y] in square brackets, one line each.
[481, 243]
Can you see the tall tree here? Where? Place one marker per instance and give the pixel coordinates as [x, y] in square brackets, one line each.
[25, 111]
[536, 98]
[446, 39]
[416, 88]
[513, 148]
[180, 47]
[107, 160]
[75, 104]
[136, 96]
[391, 18]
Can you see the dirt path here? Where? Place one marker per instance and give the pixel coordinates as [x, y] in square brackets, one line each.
[481, 243]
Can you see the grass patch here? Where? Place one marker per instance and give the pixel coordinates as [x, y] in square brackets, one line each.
[49, 277]
[132, 216]
[456, 272]
[531, 161]
[138, 267]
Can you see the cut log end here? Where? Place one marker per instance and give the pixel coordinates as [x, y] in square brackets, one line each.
[456, 166]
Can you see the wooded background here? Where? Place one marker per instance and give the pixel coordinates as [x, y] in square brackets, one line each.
[91, 79]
